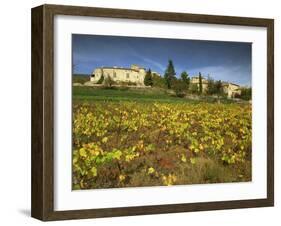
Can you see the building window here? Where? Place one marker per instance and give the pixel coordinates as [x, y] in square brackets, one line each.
[127, 75]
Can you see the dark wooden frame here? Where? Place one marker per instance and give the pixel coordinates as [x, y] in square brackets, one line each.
[42, 203]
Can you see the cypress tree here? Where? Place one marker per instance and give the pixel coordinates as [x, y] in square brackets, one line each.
[170, 74]
[200, 83]
[148, 78]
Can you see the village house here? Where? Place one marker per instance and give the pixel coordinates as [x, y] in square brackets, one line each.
[195, 80]
[134, 74]
[230, 89]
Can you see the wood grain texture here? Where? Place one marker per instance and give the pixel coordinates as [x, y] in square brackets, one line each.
[43, 106]
[42, 113]
[37, 159]
[270, 111]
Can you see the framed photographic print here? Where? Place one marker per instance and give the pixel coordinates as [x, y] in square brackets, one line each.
[141, 112]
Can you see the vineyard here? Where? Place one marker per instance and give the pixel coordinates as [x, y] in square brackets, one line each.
[132, 144]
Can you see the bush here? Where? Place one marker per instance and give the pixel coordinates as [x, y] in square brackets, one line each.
[179, 87]
[158, 81]
[215, 87]
[132, 83]
[148, 78]
[108, 82]
[246, 94]
[100, 81]
[185, 79]
[127, 83]
[193, 88]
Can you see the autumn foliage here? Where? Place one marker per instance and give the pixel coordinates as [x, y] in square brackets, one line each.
[125, 144]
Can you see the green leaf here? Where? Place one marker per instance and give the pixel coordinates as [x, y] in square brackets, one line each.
[192, 161]
[151, 170]
[104, 140]
[117, 154]
[83, 152]
[94, 171]
[183, 158]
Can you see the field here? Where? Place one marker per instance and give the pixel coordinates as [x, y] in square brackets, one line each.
[93, 94]
[132, 138]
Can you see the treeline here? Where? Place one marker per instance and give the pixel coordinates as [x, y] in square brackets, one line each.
[169, 81]
[80, 78]
[246, 94]
[182, 85]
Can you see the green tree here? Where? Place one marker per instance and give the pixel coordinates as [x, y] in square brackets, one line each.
[211, 87]
[148, 78]
[179, 87]
[193, 88]
[246, 93]
[108, 82]
[200, 83]
[100, 81]
[185, 79]
[170, 74]
[158, 81]
[218, 88]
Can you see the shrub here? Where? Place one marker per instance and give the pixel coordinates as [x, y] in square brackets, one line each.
[100, 81]
[246, 94]
[179, 87]
[148, 78]
[108, 82]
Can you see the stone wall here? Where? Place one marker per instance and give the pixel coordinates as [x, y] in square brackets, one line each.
[119, 75]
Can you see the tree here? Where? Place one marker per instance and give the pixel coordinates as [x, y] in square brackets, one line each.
[200, 83]
[148, 78]
[100, 81]
[158, 81]
[246, 93]
[179, 87]
[218, 88]
[193, 88]
[185, 79]
[108, 81]
[211, 88]
[170, 74]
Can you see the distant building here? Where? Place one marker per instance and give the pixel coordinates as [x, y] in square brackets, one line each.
[230, 89]
[195, 80]
[134, 74]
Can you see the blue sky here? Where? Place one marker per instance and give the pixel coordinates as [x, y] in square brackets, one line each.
[227, 61]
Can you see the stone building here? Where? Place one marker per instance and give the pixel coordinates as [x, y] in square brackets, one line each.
[134, 74]
[231, 89]
[195, 80]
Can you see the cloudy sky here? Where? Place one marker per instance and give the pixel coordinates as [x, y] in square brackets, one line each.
[227, 61]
